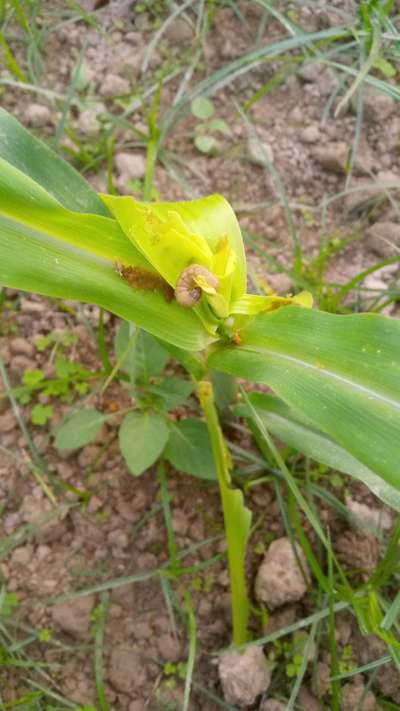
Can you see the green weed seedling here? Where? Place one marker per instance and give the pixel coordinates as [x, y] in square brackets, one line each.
[289, 653]
[71, 379]
[295, 653]
[154, 9]
[208, 127]
[178, 272]
[184, 443]
[174, 673]
[86, 153]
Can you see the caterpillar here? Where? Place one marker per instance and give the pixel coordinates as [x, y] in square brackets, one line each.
[187, 292]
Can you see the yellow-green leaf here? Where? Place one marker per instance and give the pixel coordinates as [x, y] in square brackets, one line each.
[340, 373]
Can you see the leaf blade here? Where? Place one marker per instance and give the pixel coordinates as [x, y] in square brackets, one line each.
[31, 261]
[189, 449]
[296, 433]
[79, 429]
[36, 160]
[340, 372]
[142, 438]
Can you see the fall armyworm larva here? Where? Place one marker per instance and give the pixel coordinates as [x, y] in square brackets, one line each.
[187, 292]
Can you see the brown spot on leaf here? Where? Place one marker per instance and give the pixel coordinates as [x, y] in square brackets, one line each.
[144, 279]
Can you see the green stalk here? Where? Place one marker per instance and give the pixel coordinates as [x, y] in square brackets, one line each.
[237, 517]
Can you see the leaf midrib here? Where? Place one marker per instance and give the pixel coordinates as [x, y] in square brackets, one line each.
[322, 371]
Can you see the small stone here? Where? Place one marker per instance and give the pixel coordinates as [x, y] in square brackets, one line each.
[118, 538]
[47, 586]
[37, 115]
[142, 630]
[169, 698]
[352, 695]
[260, 153]
[311, 72]
[343, 631]
[124, 596]
[364, 190]
[370, 517]
[310, 134]
[388, 682]
[88, 123]
[308, 700]
[22, 556]
[20, 363]
[126, 670]
[261, 496]
[65, 471]
[229, 49]
[11, 522]
[296, 116]
[376, 105]
[205, 608]
[244, 676]
[95, 504]
[223, 579]
[391, 136]
[130, 166]
[280, 282]
[280, 579]
[321, 680]
[35, 506]
[32, 307]
[7, 422]
[136, 705]
[114, 85]
[115, 611]
[43, 552]
[327, 82]
[359, 551]
[131, 59]
[22, 346]
[389, 180]
[384, 238]
[169, 648]
[179, 32]
[74, 616]
[364, 160]
[333, 157]
[88, 455]
[180, 523]
[272, 705]
[282, 617]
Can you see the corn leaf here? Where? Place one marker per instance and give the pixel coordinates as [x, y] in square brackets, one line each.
[56, 251]
[32, 261]
[340, 373]
[297, 433]
[24, 200]
[32, 157]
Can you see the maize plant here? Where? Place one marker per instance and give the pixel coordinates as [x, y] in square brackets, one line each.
[178, 270]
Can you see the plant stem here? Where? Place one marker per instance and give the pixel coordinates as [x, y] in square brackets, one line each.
[236, 517]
